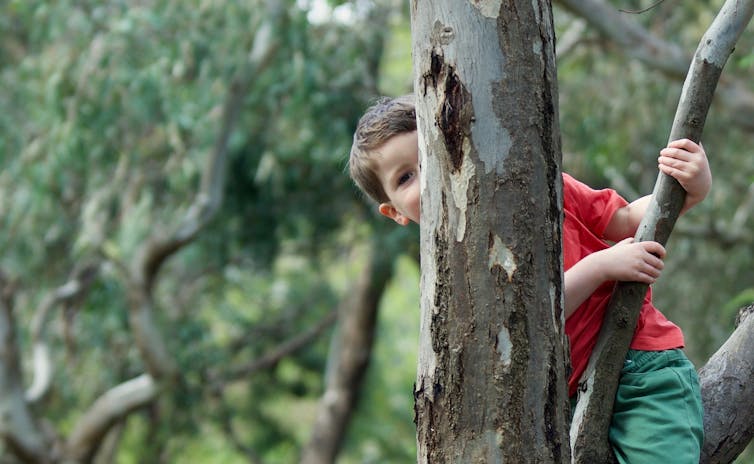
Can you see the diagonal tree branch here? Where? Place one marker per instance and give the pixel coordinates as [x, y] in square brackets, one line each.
[599, 382]
[108, 410]
[272, 357]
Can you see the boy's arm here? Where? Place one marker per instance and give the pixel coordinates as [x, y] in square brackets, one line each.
[683, 160]
[626, 220]
[626, 261]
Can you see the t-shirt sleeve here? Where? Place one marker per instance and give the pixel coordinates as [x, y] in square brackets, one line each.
[594, 208]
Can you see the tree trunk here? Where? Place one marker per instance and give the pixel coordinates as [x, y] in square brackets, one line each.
[599, 382]
[491, 383]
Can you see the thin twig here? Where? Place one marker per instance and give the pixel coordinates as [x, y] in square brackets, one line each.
[274, 356]
[644, 10]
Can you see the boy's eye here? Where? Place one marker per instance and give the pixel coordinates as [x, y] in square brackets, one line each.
[405, 178]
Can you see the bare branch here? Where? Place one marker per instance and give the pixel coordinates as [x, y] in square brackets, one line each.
[210, 196]
[110, 408]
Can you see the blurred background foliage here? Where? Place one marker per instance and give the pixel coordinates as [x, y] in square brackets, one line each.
[109, 111]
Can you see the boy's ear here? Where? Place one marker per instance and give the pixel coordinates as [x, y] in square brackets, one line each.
[388, 210]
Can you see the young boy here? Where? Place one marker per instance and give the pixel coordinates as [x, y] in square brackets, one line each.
[657, 412]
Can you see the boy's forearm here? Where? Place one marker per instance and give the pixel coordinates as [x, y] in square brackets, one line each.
[580, 281]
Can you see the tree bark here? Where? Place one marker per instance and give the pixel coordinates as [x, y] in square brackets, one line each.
[491, 377]
[107, 411]
[727, 392]
[599, 382]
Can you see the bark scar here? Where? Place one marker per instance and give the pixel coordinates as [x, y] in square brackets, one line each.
[455, 113]
[455, 117]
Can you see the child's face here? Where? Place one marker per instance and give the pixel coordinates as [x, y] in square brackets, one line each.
[397, 167]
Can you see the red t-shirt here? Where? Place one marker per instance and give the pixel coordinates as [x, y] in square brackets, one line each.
[587, 213]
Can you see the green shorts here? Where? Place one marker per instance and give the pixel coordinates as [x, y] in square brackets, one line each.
[657, 415]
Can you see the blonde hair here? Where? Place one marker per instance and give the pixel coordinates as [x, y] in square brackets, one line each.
[387, 118]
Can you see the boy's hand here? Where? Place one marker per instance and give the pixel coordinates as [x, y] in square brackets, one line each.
[631, 261]
[687, 163]
[625, 261]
